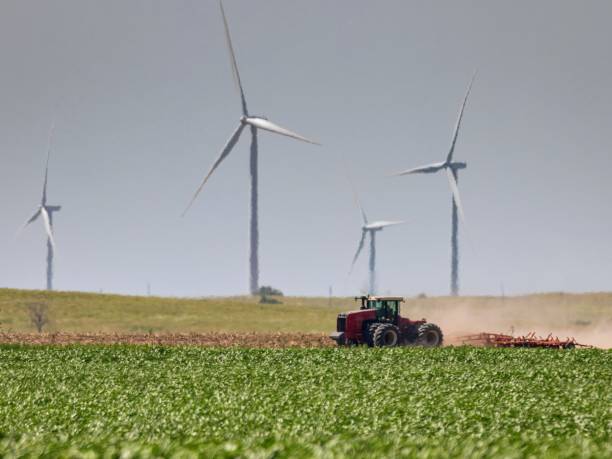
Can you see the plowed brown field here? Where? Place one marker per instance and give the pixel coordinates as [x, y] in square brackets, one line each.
[263, 340]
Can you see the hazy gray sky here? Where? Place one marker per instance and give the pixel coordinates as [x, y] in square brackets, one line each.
[146, 100]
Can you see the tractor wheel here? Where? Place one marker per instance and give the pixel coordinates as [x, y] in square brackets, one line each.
[387, 335]
[430, 335]
[370, 334]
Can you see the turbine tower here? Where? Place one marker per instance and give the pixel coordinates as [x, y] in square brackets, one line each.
[47, 211]
[254, 123]
[452, 169]
[371, 229]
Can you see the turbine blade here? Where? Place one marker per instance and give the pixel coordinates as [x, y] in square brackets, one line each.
[455, 189]
[384, 224]
[48, 228]
[363, 214]
[235, 72]
[449, 157]
[270, 126]
[226, 151]
[359, 249]
[44, 193]
[49, 144]
[30, 220]
[428, 169]
[364, 217]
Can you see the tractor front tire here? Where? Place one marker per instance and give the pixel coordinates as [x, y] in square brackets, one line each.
[370, 333]
[386, 335]
[430, 335]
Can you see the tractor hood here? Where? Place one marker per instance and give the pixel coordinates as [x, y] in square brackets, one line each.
[355, 319]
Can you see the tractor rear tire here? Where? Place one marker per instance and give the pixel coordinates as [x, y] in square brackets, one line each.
[370, 333]
[386, 335]
[430, 335]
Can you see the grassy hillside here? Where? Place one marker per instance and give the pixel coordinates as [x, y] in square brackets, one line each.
[586, 316]
[90, 312]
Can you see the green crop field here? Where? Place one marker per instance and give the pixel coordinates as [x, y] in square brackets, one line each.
[151, 401]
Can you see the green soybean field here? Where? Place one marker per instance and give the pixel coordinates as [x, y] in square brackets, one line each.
[162, 401]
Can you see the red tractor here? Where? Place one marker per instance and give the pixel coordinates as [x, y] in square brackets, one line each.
[378, 323]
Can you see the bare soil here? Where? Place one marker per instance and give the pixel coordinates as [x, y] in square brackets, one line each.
[260, 340]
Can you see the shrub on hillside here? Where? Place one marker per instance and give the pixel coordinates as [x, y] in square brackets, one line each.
[266, 294]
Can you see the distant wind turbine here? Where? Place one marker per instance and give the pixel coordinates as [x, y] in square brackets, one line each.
[371, 229]
[452, 171]
[255, 123]
[46, 210]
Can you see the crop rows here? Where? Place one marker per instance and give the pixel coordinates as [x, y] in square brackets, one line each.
[148, 401]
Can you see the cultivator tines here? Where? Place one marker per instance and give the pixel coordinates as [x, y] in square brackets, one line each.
[529, 340]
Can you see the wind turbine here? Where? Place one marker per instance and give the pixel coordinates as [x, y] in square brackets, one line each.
[452, 172]
[254, 123]
[46, 210]
[371, 229]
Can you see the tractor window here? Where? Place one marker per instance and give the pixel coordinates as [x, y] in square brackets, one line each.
[385, 310]
[392, 309]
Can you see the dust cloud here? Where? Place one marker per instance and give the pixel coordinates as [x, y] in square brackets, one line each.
[587, 318]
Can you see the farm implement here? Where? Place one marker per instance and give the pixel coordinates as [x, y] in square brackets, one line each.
[529, 340]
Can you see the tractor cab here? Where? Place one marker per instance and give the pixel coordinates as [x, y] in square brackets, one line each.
[387, 308]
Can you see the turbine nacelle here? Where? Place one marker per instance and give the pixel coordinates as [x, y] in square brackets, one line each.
[248, 119]
[457, 165]
[245, 119]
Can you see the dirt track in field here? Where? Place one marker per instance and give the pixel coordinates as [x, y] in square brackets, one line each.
[262, 340]
[249, 340]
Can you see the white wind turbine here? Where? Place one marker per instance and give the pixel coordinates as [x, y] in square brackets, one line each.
[371, 229]
[452, 171]
[254, 123]
[46, 211]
